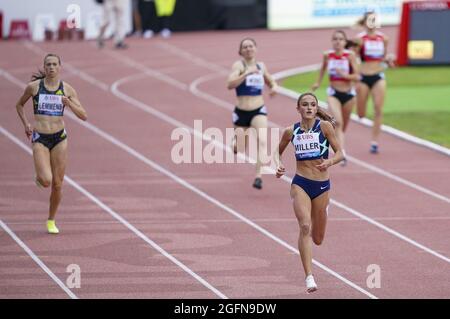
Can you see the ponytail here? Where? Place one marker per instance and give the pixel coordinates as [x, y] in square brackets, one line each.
[361, 21]
[39, 75]
[323, 115]
[351, 44]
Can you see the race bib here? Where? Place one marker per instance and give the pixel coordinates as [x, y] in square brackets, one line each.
[307, 145]
[255, 80]
[333, 65]
[374, 48]
[50, 104]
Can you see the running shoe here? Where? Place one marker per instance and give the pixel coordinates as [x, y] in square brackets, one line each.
[374, 148]
[257, 183]
[121, 45]
[148, 34]
[166, 33]
[311, 285]
[51, 227]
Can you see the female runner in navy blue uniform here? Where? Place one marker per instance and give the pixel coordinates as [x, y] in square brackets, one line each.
[50, 96]
[311, 138]
[248, 77]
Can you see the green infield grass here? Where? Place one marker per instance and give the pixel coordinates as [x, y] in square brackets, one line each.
[417, 100]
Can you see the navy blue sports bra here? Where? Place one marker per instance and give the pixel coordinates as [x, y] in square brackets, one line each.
[47, 102]
[309, 145]
[253, 83]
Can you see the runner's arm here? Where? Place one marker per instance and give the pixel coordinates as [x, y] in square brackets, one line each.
[284, 142]
[72, 101]
[19, 108]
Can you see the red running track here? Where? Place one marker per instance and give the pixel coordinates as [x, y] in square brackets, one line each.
[132, 219]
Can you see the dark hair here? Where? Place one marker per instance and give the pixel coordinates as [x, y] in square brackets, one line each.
[321, 113]
[344, 35]
[242, 42]
[350, 44]
[39, 75]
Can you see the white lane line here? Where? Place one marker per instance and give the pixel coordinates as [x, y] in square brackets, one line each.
[294, 71]
[148, 71]
[156, 221]
[292, 94]
[399, 179]
[364, 121]
[165, 117]
[121, 220]
[193, 58]
[205, 78]
[12, 79]
[83, 75]
[224, 104]
[381, 226]
[36, 258]
[193, 87]
[391, 231]
[159, 168]
[354, 212]
[200, 192]
[351, 211]
[365, 217]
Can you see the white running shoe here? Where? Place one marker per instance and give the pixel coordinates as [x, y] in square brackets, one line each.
[166, 33]
[311, 285]
[148, 34]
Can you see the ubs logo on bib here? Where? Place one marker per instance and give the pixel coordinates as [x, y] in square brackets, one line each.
[305, 137]
[307, 145]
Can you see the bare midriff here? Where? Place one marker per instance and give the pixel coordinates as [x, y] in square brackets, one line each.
[250, 102]
[309, 170]
[371, 67]
[48, 124]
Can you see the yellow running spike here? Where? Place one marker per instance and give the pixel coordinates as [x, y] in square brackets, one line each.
[51, 227]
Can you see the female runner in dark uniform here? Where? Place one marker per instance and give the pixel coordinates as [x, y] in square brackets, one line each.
[311, 138]
[248, 77]
[50, 96]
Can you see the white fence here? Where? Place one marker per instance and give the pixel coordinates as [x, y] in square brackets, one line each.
[42, 14]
